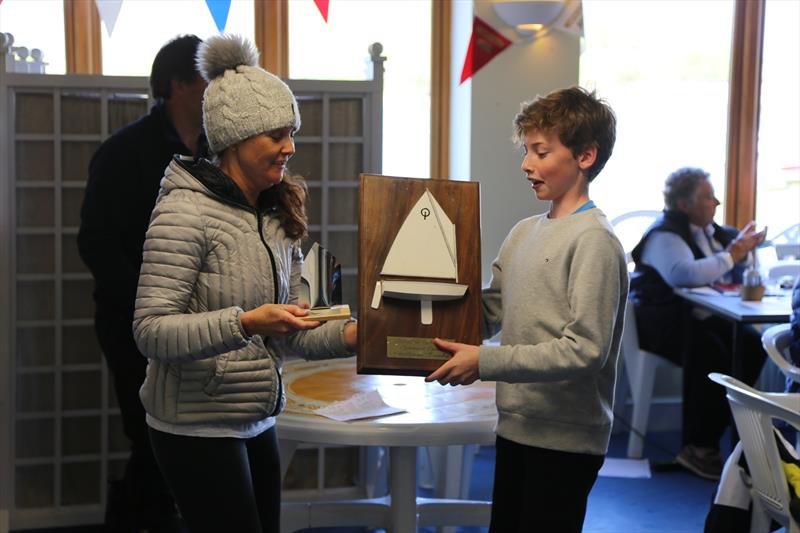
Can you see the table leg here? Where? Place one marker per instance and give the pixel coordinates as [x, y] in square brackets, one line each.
[687, 333]
[403, 488]
[737, 361]
[286, 450]
[737, 369]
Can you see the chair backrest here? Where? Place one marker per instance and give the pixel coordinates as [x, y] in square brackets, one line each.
[785, 267]
[630, 337]
[753, 412]
[790, 234]
[787, 242]
[630, 227]
[776, 343]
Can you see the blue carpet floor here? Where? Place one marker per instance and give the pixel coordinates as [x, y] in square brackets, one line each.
[671, 501]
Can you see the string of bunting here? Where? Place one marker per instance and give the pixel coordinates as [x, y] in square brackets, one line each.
[219, 9]
[485, 42]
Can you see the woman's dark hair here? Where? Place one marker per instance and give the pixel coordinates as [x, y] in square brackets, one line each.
[289, 199]
[175, 61]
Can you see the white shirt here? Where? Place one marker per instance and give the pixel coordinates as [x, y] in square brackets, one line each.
[674, 261]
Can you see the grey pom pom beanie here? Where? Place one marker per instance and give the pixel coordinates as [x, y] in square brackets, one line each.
[242, 99]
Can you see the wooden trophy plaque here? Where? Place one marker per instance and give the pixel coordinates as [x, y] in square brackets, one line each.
[419, 272]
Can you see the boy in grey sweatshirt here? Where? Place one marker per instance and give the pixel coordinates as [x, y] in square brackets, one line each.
[558, 293]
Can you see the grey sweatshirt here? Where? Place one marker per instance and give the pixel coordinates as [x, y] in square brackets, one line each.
[558, 292]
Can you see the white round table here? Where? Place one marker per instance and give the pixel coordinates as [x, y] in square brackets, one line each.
[436, 416]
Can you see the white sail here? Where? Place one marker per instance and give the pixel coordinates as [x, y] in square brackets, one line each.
[425, 246]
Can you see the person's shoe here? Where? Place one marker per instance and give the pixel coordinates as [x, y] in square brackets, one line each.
[703, 462]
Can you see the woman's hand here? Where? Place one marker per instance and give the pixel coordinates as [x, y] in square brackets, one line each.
[276, 320]
[351, 335]
[461, 368]
[746, 242]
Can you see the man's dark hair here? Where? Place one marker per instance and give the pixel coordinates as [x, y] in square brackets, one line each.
[175, 61]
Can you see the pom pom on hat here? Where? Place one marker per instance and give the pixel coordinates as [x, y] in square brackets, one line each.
[225, 52]
[242, 99]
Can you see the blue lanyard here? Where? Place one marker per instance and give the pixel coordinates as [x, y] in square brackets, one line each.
[585, 207]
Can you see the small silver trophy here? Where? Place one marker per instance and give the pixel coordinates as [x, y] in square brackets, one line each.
[321, 279]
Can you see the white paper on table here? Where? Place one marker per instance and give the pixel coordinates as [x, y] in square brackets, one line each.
[627, 468]
[705, 291]
[363, 405]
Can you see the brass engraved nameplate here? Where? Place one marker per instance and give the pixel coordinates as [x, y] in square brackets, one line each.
[413, 348]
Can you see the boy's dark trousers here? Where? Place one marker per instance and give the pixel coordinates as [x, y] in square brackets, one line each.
[536, 489]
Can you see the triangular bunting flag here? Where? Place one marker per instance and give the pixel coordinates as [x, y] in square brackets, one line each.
[109, 11]
[322, 5]
[219, 12]
[484, 44]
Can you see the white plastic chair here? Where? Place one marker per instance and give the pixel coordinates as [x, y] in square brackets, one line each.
[640, 367]
[753, 412]
[776, 343]
[629, 228]
[784, 267]
[787, 242]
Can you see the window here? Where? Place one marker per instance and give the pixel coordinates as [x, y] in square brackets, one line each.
[144, 26]
[338, 50]
[37, 25]
[664, 69]
[778, 170]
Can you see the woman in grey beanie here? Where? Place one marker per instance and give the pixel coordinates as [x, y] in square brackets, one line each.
[217, 303]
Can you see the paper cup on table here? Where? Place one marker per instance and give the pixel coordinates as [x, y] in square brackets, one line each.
[752, 293]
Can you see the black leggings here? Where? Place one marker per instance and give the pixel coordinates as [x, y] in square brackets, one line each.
[223, 484]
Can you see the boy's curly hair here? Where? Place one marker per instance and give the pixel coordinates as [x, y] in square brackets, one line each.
[577, 116]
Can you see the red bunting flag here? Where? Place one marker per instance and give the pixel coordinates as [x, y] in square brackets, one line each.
[485, 43]
[322, 5]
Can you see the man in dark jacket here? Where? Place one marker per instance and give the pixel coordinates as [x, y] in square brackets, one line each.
[124, 177]
[685, 248]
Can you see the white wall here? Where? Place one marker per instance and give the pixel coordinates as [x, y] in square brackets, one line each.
[523, 70]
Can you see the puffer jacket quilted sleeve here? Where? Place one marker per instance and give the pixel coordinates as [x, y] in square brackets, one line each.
[173, 254]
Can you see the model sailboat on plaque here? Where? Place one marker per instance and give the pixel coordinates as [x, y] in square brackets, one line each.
[425, 249]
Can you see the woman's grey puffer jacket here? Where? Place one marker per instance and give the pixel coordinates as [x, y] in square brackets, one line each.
[207, 257]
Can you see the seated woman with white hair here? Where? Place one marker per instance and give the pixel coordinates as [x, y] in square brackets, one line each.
[685, 248]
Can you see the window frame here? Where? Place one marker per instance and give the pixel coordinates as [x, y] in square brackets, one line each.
[744, 99]
[82, 37]
[84, 55]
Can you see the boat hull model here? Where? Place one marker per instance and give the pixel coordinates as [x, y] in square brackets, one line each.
[424, 291]
[424, 248]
